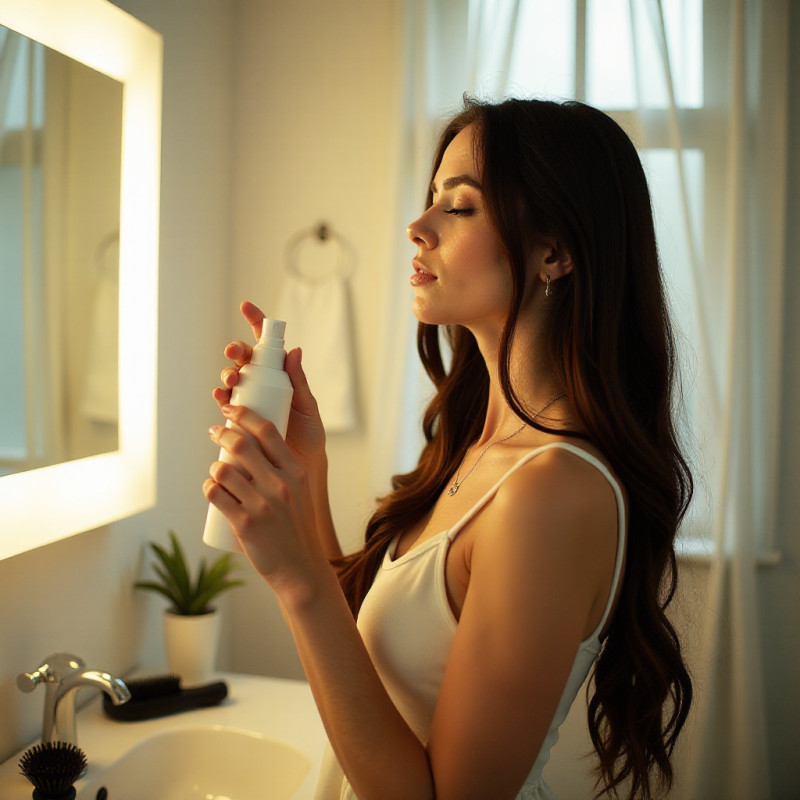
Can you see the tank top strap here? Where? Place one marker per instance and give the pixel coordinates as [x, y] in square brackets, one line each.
[452, 532]
[456, 529]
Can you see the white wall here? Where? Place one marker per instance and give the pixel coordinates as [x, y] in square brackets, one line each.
[315, 98]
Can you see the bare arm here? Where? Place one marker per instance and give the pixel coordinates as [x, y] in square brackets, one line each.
[326, 531]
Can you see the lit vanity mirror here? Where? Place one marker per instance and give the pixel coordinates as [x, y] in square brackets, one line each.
[80, 109]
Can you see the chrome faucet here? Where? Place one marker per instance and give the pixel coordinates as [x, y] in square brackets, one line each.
[63, 675]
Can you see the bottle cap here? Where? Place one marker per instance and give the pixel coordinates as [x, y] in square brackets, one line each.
[269, 351]
[272, 331]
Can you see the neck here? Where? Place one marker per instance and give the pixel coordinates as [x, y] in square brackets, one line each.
[533, 381]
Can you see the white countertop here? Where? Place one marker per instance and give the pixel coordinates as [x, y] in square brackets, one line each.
[278, 708]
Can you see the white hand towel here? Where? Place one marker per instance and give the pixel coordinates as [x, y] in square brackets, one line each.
[318, 319]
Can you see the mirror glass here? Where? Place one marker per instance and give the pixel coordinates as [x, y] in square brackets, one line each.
[60, 164]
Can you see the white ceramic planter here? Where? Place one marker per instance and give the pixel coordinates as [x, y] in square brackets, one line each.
[191, 644]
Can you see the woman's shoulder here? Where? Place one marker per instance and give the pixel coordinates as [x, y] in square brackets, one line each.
[573, 469]
[555, 520]
[559, 489]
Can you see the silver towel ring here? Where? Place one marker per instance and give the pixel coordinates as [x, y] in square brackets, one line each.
[322, 233]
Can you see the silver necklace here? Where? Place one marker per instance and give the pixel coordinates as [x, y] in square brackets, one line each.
[458, 481]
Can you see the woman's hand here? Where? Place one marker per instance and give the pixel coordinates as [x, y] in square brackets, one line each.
[305, 433]
[264, 494]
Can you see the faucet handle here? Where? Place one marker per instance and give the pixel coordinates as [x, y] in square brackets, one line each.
[28, 681]
[54, 669]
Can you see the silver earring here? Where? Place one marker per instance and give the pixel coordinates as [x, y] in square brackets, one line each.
[547, 290]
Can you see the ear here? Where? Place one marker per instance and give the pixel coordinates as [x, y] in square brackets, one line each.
[551, 258]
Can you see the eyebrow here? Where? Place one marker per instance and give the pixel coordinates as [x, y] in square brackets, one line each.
[456, 180]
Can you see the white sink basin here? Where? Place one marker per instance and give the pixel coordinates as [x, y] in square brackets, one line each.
[209, 762]
[265, 741]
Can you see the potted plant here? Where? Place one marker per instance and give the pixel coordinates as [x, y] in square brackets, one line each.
[191, 622]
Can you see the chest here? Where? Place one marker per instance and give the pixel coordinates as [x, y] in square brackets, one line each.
[458, 511]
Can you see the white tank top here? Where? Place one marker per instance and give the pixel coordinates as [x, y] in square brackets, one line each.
[408, 628]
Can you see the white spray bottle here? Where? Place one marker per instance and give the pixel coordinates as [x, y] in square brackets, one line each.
[265, 388]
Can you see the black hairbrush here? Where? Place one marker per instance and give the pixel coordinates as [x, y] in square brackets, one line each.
[53, 768]
[161, 695]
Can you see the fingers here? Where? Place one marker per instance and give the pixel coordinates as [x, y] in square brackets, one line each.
[239, 352]
[241, 475]
[256, 467]
[217, 494]
[293, 365]
[249, 450]
[254, 315]
[229, 377]
[236, 484]
[222, 396]
[302, 400]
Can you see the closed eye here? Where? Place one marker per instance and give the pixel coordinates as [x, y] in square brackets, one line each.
[460, 212]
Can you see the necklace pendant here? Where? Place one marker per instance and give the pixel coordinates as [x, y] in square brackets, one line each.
[453, 489]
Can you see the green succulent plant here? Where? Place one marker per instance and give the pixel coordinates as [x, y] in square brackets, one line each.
[188, 597]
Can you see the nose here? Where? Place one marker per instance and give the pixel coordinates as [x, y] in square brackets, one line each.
[421, 233]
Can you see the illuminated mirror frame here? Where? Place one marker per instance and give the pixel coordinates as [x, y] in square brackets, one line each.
[42, 505]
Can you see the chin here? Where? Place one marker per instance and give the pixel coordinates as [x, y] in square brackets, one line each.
[429, 315]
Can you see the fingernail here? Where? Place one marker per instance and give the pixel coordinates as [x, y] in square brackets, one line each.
[226, 409]
[212, 431]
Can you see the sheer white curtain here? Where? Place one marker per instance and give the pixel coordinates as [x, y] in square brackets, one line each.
[734, 277]
[701, 87]
[739, 286]
[444, 58]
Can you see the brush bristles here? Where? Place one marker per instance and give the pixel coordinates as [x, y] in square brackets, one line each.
[154, 686]
[53, 767]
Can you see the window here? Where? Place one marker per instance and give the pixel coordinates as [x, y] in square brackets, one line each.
[609, 54]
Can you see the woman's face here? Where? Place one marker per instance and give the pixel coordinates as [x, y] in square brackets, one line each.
[461, 274]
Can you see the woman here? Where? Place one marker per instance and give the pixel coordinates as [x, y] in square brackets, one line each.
[535, 537]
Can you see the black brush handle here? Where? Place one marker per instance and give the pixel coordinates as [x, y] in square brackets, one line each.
[196, 697]
[207, 695]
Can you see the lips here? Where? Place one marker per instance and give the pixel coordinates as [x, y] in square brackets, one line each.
[420, 269]
[421, 275]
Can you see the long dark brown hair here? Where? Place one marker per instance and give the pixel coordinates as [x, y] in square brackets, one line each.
[568, 171]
